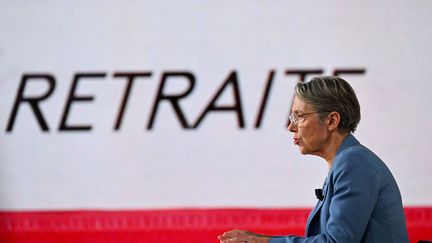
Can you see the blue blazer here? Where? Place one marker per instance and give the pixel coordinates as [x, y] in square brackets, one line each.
[362, 202]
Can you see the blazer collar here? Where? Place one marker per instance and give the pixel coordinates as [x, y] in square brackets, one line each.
[348, 141]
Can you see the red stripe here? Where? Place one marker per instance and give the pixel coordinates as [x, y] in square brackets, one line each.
[182, 225]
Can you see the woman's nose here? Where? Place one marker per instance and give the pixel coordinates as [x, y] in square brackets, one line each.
[291, 127]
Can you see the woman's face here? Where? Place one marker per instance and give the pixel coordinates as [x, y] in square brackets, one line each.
[310, 134]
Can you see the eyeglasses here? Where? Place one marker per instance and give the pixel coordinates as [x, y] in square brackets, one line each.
[296, 118]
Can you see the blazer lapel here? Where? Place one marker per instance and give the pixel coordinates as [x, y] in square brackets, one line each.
[349, 141]
[317, 207]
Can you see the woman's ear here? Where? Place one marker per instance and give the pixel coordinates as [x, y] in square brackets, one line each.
[333, 121]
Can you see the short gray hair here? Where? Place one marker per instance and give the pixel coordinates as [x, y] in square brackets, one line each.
[330, 93]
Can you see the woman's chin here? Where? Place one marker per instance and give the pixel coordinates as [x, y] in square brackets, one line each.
[302, 150]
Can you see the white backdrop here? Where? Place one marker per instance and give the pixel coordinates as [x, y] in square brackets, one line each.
[217, 164]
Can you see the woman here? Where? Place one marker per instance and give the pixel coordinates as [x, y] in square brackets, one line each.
[361, 200]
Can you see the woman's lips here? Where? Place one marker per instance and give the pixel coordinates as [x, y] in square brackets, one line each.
[296, 141]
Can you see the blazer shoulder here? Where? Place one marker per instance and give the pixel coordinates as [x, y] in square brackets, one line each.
[355, 157]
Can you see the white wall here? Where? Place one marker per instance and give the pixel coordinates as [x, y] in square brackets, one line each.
[217, 164]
